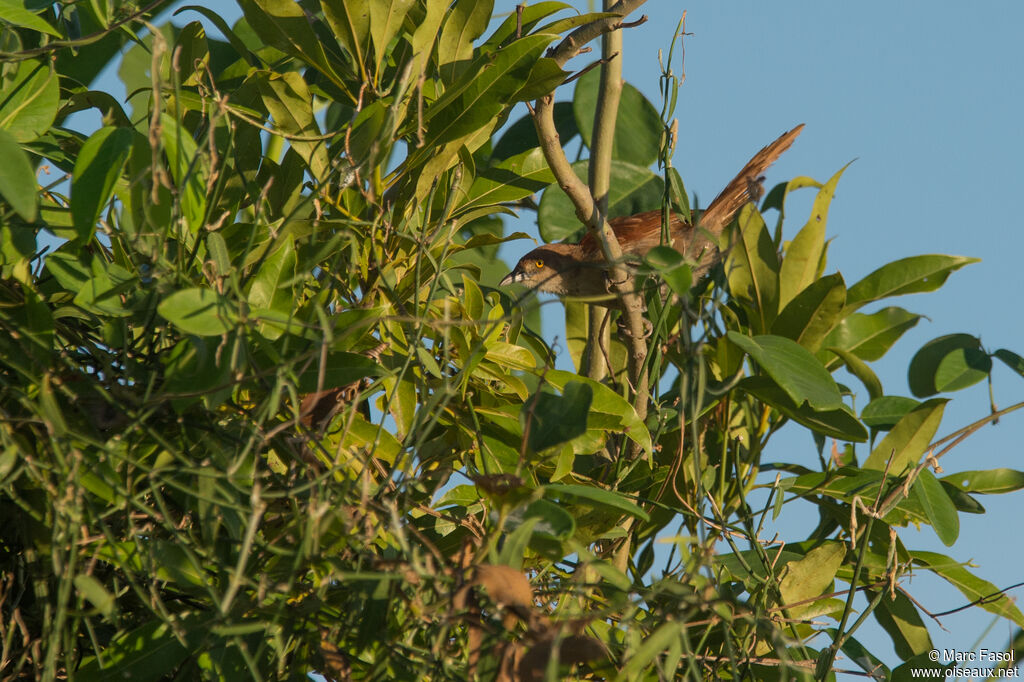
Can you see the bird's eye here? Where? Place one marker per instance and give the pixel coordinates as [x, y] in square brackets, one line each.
[538, 263]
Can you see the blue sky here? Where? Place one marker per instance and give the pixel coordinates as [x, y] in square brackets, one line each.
[927, 96]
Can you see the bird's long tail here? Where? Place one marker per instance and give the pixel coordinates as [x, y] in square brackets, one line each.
[746, 183]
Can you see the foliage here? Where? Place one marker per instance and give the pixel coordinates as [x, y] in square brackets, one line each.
[264, 412]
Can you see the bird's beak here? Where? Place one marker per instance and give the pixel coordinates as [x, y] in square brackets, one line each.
[511, 278]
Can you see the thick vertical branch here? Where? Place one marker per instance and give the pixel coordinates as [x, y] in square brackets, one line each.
[588, 207]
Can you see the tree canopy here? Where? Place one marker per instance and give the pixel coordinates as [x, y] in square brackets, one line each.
[264, 411]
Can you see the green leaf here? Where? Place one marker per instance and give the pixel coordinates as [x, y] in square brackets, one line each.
[859, 369]
[386, 18]
[988, 596]
[479, 95]
[987, 482]
[143, 654]
[521, 136]
[919, 667]
[17, 178]
[633, 189]
[16, 13]
[545, 76]
[803, 257]
[511, 180]
[199, 311]
[533, 13]
[97, 169]
[912, 275]
[638, 126]
[938, 507]
[810, 576]
[752, 267]
[29, 100]
[553, 520]
[467, 20]
[869, 337]
[909, 439]
[269, 287]
[98, 596]
[350, 22]
[793, 368]
[884, 412]
[838, 423]
[340, 369]
[553, 420]
[595, 496]
[672, 268]
[289, 101]
[514, 548]
[1011, 360]
[608, 410]
[284, 25]
[812, 313]
[948, 363]
[901, 619]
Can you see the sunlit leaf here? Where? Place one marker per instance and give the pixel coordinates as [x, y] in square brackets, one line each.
[909, 439]
[911, 275]
[199, 311]
[29, 100]
[803, 256]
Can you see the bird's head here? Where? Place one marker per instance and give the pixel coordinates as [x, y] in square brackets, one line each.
[549, 268]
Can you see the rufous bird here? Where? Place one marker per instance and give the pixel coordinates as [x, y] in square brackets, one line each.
[580, 270]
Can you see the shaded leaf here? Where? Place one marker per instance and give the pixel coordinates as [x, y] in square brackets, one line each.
[859, 369]
[521, 136]
[838, 423]
[17, 178]
[608, 410]
[948, 363]
[638, 126]
[937, 507]
[595, 496]
[633, 189]
[793, 368]
[553, 420]
[899, 617]
[884, 412]
[1011, 360]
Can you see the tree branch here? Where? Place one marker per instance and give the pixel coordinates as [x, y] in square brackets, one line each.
[591, 207]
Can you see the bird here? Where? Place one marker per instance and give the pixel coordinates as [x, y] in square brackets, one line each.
[580, 270]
